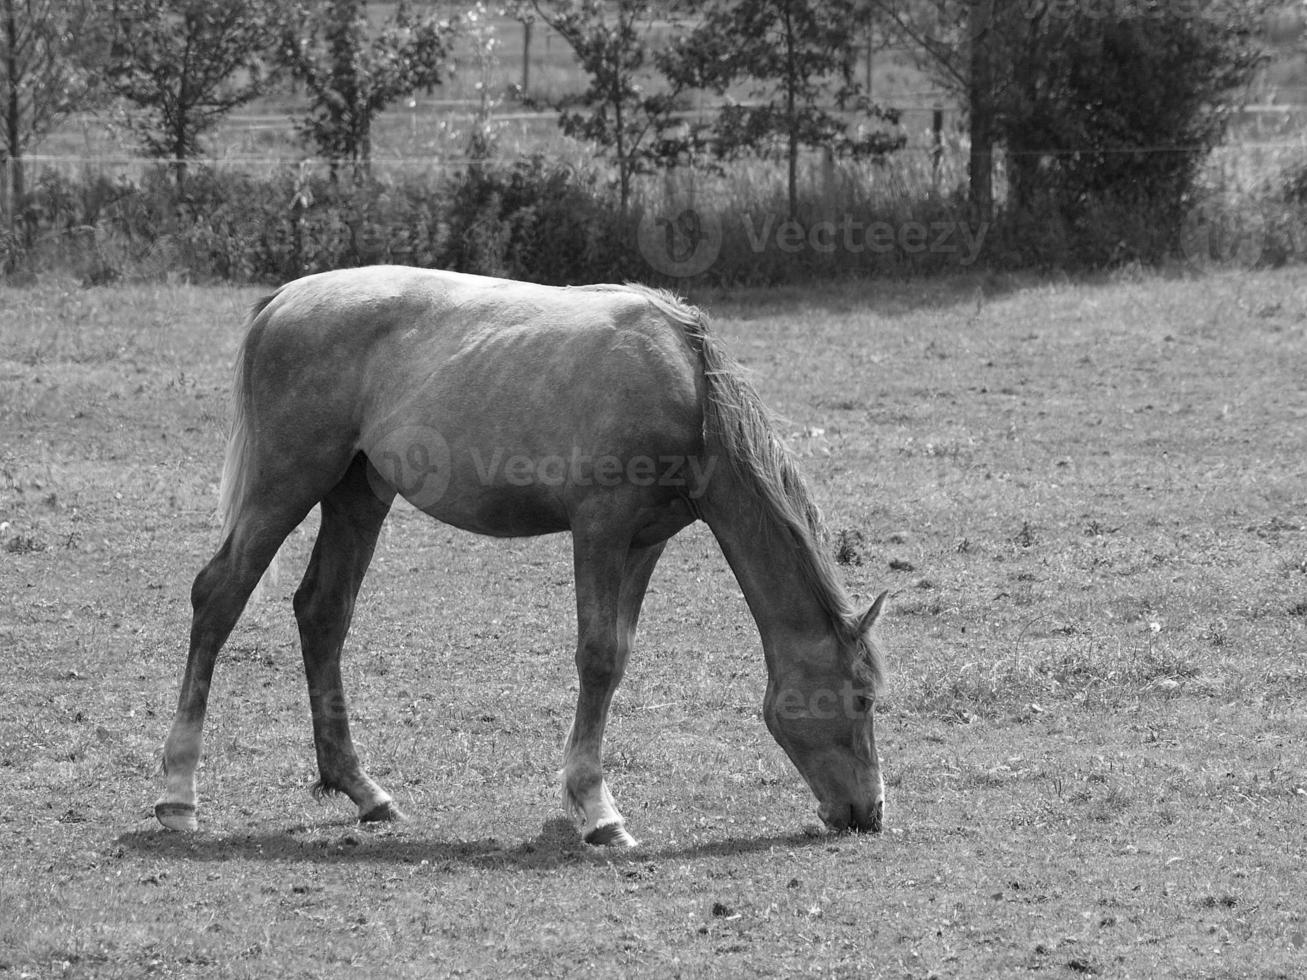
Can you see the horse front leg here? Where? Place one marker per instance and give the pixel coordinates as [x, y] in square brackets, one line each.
[610, 587]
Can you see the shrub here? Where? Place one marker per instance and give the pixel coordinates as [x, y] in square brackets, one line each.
[534, 220]
[853, 220]
[1111, 109]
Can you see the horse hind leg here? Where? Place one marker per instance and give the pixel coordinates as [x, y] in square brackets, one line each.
[352, 515]
[218, 596]
[610, 589]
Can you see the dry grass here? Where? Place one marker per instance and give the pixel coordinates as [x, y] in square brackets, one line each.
[1087, 499]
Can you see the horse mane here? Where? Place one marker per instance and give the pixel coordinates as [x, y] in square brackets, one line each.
[738, 422]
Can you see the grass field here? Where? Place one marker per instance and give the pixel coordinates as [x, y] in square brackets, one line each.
[1089, 502]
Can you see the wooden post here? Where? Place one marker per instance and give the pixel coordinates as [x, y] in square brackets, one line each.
[526, 57]
[871, 37]
[6, 205]
[936, 144]
[981, 105]
[14, 183]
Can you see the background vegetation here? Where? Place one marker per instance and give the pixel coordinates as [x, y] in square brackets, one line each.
[537, 140]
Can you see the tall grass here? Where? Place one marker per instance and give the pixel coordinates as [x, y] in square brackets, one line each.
[557, 220]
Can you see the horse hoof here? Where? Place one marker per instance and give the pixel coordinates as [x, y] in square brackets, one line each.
[177, 816]
[611, 835]
[382, 812]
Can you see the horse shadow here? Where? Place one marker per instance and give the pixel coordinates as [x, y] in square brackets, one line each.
[346, 842]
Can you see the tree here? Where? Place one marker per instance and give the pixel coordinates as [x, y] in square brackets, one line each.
[44, 74]
[609, 41]
[795, 57]
[351, 75]
[1091, 98]
[185, 64]
[1119, 101]
[957, 41]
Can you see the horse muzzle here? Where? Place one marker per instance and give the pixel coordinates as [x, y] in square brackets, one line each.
[843, 818]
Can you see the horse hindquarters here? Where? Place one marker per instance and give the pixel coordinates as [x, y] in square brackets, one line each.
[282, 458]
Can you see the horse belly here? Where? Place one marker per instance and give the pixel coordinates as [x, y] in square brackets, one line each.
[501, 511]
[498, 487]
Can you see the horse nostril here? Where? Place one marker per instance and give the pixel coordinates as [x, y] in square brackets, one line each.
[869, 820]
[837, 819]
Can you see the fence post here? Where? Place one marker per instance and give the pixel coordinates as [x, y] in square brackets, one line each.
[526, 57]
[6, 208]
[871, 43]
[936, 144]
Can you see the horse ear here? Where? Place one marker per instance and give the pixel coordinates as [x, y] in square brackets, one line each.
[869, 618]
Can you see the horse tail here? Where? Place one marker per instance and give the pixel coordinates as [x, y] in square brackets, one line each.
[240, 447]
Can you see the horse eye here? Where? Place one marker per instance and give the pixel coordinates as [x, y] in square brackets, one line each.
[865, 702]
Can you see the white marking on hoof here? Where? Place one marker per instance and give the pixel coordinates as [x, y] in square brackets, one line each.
[611, 834]
[176, 816]
[383, 811]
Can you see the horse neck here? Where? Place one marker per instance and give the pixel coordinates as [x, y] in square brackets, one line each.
[774, 573]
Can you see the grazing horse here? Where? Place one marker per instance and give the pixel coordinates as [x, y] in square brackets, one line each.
[512, 409]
